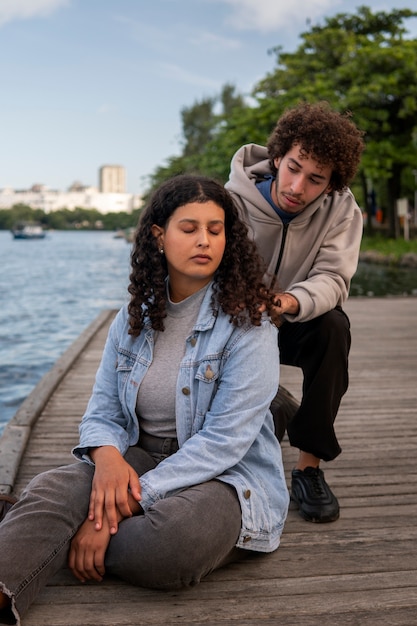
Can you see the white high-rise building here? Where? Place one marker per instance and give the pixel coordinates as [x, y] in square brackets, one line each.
[112, 179]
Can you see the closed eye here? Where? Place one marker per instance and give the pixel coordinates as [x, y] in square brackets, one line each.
[214, 230]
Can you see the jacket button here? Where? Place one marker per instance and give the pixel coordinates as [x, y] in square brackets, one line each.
[247, 494]
[185, 391]
[246, 539]
[193, 341]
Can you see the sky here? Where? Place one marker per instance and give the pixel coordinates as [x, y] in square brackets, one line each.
[85, 83]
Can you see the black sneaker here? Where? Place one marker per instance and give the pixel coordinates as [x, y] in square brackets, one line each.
[315, 500]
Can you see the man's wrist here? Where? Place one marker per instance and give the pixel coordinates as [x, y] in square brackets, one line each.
[292, 306]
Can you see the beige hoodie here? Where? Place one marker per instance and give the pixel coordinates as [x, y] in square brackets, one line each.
[316, 255]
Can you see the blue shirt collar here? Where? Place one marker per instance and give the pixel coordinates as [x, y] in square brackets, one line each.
[264, 187]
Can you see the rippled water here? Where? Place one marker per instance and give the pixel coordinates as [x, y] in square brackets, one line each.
[383, 280]
[50, 290]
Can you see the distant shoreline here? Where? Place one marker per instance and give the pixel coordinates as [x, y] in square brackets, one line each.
[407, 260]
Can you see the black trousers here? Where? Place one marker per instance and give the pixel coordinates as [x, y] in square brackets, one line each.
[320, 347]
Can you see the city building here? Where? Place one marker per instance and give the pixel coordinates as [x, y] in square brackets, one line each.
[110, 199]
[53, 200]
[112, 179]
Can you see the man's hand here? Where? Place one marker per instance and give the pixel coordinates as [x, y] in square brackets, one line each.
[113, 479]
[283, 303]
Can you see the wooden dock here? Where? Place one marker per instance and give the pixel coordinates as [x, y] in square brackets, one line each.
[360, 570]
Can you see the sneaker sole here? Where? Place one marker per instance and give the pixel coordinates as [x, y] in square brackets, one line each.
[294, 504]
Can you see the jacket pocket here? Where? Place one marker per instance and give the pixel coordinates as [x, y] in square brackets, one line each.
[207, 378]
[124, 365]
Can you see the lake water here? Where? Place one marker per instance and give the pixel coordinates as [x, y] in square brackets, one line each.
[384, 280]
[51, 289]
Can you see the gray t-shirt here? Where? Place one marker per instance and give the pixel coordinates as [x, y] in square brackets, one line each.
[155, 404]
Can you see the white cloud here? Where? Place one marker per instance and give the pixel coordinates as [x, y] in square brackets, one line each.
[105, 108]
[178, 74]
[211, 40]
[24, 9]
[269, 15]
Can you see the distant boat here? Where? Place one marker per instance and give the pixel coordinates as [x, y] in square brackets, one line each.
[128, 234]
[28, 231]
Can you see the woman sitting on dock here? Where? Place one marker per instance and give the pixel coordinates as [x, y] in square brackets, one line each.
[182, 472]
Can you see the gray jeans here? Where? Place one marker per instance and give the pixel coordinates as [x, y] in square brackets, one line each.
[177, 542]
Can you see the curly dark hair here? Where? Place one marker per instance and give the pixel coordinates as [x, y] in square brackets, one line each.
[329, 137]
[238, 286]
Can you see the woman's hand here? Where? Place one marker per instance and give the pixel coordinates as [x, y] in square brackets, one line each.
[113, 479]
[87, 552]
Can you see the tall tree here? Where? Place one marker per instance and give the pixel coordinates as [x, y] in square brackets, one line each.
[200, 125]
[198, 122]
[363, 63]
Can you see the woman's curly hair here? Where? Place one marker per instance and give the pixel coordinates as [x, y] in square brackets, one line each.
[329, 137]
[238, 285]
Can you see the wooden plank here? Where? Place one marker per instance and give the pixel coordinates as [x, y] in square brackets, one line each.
[240, 605]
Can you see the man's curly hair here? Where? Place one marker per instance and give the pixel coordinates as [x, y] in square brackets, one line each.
[329, 137]
[238, 286]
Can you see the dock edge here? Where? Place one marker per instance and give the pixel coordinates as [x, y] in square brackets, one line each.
[17, 431]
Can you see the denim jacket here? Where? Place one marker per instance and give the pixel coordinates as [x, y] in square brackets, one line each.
[226, 382]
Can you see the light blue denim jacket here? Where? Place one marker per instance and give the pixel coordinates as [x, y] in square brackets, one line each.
[225, 385]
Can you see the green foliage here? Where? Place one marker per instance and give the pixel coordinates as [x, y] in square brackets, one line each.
[244, 124]
[389, 247]
[202, 153]
[174, 166]
[198, 122]
[363, 63]
[64, 219]
[20, 213]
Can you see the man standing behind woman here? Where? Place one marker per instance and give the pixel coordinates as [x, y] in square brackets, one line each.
[294, 196]
[182, 472]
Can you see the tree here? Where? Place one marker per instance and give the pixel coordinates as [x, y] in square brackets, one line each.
[362, 63]
[66, 219]
[200, 125]
[198, 122]
[20, 213]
